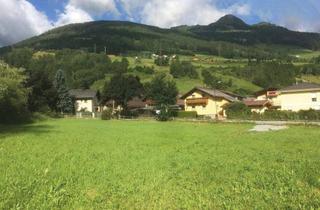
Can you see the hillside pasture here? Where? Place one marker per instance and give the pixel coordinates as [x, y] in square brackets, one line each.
[93, 164]
[185, 84]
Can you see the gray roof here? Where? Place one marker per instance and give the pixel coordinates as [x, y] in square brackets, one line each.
[301, 86]
[211, 92]
[83, 94]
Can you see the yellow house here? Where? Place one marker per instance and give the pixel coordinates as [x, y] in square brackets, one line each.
[208, 102]
[303, 96]
[85, 100]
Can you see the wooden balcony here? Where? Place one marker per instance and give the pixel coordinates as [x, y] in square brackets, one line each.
[197, 101]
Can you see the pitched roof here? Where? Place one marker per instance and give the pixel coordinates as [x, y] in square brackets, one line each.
[256, 103]
[301, 87]
[83, 94]
[211, 92]
[136, 103]
[264, 91]
[237, 96]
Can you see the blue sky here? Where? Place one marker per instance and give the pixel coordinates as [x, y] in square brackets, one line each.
[21, 19]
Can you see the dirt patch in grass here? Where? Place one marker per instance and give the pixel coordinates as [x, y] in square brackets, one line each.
[266, 128]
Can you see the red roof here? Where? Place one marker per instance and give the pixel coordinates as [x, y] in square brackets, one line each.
[256, 103]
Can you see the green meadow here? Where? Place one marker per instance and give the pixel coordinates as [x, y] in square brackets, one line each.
[94, 164]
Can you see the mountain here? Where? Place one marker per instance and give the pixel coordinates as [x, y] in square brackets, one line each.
[120, 37]
[233, 29]
[229, 23]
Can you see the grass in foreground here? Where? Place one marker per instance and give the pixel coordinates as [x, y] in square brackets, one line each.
[93, 164]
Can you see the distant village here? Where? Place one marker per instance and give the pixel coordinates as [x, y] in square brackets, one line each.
[212, 102]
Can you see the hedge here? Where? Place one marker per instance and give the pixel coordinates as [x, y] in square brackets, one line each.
[184, 114]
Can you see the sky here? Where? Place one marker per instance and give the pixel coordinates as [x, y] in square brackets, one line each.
[22, 19]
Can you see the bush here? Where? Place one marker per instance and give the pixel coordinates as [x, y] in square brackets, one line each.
[162, 61]
[238, 110]
[165, 114]
[129, 113]
[182, 69]
[145, 69]
[184, 114]
[279, 115]
[309, 114]
[106, 114]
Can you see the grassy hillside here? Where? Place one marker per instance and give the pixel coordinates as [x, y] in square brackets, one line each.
[185, 84]
[229, 37]
[93, 164]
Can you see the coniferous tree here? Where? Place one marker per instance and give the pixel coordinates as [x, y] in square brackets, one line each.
[64, 102]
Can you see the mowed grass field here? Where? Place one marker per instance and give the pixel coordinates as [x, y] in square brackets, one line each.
[94, 164]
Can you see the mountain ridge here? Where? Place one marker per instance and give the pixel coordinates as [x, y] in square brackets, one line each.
[124, 36]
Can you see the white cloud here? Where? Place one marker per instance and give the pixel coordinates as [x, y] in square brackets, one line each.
[19, 20]
[72, 14]
[239, 9]
[78, 11]
[131, 6]
[168, 13]
[95, 7]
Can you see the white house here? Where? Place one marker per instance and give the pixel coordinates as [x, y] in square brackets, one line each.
[303, 96]
[85, 100]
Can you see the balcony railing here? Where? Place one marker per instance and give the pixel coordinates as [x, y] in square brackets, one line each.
[197, 101]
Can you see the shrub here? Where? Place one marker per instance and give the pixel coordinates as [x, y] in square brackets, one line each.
[279, 115]
[238, 110]
[309, 114]
[185, 114]
[164, 114]
[289, 115]
[106, 114]
[162, 61]
[129, 113]
[145, 69]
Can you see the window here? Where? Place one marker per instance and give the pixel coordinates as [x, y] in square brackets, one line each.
[193, 107]
[193, 96]
[203, 106]
[314, 99]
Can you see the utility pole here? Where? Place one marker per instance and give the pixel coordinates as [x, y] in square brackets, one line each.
[95, 48]
[105, 50]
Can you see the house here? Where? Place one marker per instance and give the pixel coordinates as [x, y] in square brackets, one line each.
[266, 94]
[136, 103]
[85, 100]
[303, 96]
[263, 100]
[258, 106]
[207, 102]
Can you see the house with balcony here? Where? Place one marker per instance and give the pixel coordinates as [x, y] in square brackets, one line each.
[208, 102]
[300, 96]
[264, 100]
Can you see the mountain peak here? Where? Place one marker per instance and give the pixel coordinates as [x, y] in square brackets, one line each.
[230, 22]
